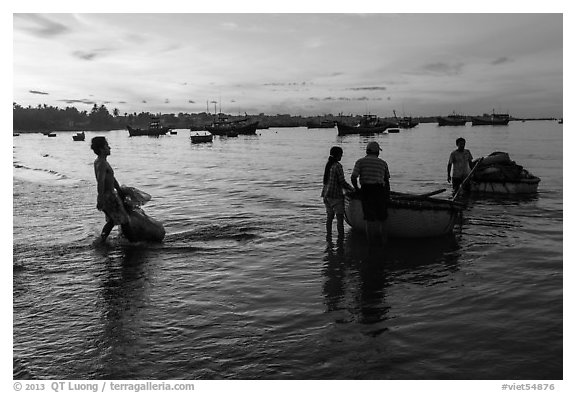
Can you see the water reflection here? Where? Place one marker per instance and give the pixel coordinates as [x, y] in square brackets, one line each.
[357, 275]
[497, 199]
[124, 291]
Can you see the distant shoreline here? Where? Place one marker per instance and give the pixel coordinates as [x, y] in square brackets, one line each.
[270, 123]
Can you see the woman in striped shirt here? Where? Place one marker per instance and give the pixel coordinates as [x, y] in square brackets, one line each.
[332, 193]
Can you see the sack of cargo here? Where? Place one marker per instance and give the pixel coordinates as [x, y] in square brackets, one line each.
[133, 197]
[497, 157]
[141, 227]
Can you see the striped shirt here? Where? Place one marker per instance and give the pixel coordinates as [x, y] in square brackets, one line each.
[336, 181]
[371, 169]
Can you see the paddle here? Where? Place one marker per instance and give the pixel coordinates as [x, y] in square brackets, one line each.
[467, 177]
[428, 194]
[440, 191]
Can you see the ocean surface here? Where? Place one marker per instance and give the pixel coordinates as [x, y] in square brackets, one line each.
[245, 285]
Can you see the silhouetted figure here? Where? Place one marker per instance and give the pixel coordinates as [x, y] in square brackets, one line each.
[109, 193]
[375, 192]
[460, 163]
[332, 194]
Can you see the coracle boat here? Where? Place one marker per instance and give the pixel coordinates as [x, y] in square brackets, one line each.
[369, 124]
[409, 215]
[200, 137]
[154, 129]
[79, 136]
[494, 119]
[452, 120]
[223, 126]
[497, 174]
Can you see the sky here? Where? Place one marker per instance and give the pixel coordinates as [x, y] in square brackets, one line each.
[300, 63]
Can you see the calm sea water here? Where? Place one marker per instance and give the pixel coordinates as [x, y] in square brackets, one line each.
[245, 285]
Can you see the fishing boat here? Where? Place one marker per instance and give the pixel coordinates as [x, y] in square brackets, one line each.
[368, 125]
[452, 120]
[154, 129]
[224, 126]
[497, 174]
[393, 130]
[79, 136]
[494, 119]
[50, 134]
[172, 132]
[321, 124]
[404, 122]
[15, 134]
[200, 136]
[409, 215]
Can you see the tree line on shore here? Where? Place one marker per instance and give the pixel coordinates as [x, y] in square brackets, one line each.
[45, 118]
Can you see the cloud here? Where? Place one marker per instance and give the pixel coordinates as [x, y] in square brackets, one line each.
[39, 25]
[37, 92]
[373, 88]
[166, 101]
[84, 55]
[443, 68]
[501, 60]
[73, 101]
[344, 99]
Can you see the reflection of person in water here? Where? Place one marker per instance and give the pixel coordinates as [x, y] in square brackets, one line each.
[124, 314]
[355, 282]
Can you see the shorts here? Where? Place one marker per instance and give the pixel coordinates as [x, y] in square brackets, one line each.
[334, 205]
[456, 181]
[374, 202]
[114, 209]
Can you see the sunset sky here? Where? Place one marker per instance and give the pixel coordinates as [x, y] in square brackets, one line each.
[419, 64]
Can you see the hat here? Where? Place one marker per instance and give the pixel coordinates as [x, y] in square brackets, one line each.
[373, 147]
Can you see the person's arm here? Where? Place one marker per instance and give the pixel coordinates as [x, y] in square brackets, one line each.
[119, 189]
[100, 171]
[341, 180]
[449, 167]
[470, 160]
[354, 177]
[387, 183]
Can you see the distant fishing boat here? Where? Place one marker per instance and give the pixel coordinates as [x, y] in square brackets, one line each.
[494, 119]
[50, 134]
[368, 125]
[393, 130]
[452, 120]
[154, 129]
[321, 124]
[79, 136]
[404, 122]
[224, 126]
